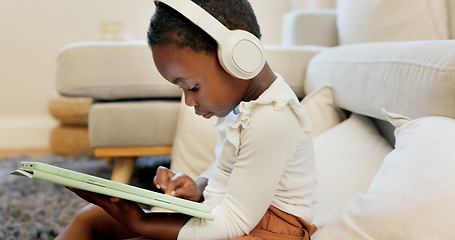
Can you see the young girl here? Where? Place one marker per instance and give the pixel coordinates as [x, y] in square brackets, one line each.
[264, 173]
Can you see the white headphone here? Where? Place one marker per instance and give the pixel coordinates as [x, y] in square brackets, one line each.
[240, 53]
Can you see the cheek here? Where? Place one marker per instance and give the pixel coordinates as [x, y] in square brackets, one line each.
[218, 94]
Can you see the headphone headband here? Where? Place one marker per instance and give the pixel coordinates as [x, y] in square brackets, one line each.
[240, 53]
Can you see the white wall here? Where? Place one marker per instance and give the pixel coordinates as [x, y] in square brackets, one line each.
[32, 32]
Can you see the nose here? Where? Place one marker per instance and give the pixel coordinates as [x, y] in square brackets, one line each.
[189, 101]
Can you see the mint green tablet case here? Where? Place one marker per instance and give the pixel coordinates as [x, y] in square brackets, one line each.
[90, 183]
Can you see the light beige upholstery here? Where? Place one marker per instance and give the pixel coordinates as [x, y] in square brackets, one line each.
[299, 27]
[290, 63]
[115, 71]
[110, 71]
[413, 78]
[388, 20]
[133, 124]
[82, 70]
[194, 143]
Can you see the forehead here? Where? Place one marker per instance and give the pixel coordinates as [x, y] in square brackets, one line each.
[173, 62]
[174, 53]
[170, 59]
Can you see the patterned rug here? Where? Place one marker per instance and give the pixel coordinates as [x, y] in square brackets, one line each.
[32, 209]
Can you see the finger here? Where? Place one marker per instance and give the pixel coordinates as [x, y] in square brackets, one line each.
[187, 193]
[177, 182]
[162, 177]
[156, 183]
[126, 212]
[170, 187]
[184, 187]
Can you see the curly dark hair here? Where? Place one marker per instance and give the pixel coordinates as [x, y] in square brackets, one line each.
[168, 26]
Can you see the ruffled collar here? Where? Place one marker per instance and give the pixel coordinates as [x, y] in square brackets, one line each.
[280, 95]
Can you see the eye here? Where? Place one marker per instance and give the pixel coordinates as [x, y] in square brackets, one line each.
[195, 88]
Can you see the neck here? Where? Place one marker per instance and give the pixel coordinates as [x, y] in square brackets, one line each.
[260, 83]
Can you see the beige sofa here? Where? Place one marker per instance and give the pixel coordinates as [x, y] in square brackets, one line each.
[376, 180]
[393, 63]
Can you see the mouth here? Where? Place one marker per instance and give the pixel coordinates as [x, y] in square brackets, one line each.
[206, 115]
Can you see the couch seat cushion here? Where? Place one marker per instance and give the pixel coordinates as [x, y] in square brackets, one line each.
[412, 196]
[347, 158]
[133, 124]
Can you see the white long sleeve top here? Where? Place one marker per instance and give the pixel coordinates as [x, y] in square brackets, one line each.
[264, 157]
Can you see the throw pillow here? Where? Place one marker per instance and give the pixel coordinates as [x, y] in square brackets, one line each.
[194, 143]
[391, 20]
[347, 158]
[322, 110]
[413, 195]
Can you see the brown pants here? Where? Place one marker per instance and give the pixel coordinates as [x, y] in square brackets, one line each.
[278, 225]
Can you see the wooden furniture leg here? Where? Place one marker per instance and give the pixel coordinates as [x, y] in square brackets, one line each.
[123, 169]
[125, 159]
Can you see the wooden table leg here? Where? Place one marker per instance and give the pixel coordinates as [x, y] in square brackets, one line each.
[123, 169]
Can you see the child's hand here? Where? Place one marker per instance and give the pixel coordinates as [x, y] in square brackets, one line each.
[136, 221]
[177, 184]
[128, 213]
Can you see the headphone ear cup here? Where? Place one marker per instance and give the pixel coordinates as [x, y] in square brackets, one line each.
[241, 54]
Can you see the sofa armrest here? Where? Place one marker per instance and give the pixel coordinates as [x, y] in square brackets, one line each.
[110, 71]
[291, 63]
[413, 78]
[310, 27]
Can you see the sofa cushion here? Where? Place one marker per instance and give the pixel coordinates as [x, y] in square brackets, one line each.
[412, 196]
[290, 63]
[110, 71]
[133, 124]
[390, 20]
[194, 144]
[322, 110]
[347, 158]
[299, 28]
[414, 78]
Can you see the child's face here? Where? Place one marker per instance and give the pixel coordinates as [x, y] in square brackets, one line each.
[207, 87]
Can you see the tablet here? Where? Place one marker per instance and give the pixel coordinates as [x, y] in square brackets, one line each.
[65, 177]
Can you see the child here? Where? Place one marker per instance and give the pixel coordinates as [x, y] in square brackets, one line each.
[264, 171]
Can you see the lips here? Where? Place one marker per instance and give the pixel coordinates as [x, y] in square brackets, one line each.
[205, 114]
